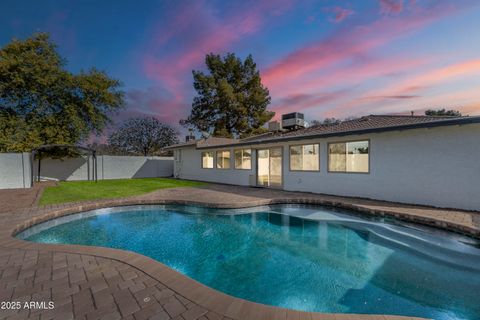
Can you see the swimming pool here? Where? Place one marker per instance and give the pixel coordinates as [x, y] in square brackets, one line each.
[301, 257]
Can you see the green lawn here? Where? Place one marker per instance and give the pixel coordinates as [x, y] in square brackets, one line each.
[73, 191]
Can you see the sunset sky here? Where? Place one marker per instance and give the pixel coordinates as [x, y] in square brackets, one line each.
[323, 58]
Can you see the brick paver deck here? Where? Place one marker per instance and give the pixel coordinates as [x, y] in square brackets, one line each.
[15, 199]
[103, 283]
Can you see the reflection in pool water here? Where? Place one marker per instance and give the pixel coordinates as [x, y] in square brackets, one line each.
[300, 257]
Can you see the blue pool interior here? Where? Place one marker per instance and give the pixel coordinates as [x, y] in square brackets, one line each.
[307, 258]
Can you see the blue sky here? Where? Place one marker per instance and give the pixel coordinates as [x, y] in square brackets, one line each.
[325, 58]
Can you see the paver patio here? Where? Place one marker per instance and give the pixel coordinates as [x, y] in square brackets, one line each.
[103, 283]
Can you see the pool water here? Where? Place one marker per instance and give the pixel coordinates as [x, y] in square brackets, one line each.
[300, 257]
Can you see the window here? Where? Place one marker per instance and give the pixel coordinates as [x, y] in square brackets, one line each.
[207, 160]
[348, 156]
[243, 159]
[223, 159]
[304, 158]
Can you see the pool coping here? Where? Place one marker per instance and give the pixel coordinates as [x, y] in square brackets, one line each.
[204, 296]
[53, 212]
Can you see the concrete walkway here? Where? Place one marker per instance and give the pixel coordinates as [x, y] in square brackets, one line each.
[103, 283]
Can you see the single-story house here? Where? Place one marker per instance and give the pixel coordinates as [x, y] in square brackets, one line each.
[427, 160]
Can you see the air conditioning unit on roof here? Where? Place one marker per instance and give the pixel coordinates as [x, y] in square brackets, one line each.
[293, 121]
[274, 126]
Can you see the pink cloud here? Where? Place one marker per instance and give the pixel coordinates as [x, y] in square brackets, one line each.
[204, 32]
[450, 72]
[466, 101]
[340, 13]
[345, 62]
[194, 31]
[416, 83]
[359, 72]
[344, 45]
[331, 76]
[391, 6]
[301, 96]
[379, 99]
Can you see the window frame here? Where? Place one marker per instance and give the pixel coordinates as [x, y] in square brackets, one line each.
[283, 172]
[345, 142]
[230, 159]
[201, 160]
[300, 145]
[235, 159]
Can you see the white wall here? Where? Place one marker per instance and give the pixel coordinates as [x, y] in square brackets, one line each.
[190, 167]
[73, 169]
[438, 167]
[118, 167]
[109, 167]
[15, 170]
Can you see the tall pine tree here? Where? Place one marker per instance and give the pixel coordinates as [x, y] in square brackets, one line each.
[231, 100]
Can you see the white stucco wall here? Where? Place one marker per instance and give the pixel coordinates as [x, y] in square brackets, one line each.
[119, 167]
[438, 167]
[190, 167]
[109, 167]
[69, 169]
[15, 170]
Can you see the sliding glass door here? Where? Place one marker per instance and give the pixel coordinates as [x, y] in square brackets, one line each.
[269, 167]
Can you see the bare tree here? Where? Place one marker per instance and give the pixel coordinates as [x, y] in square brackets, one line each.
[326, 121]
[143, 135]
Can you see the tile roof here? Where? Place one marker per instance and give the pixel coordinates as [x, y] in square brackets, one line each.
[212, 141]
[371, 123]
[182, 144]
[366, 122]
[209, 142]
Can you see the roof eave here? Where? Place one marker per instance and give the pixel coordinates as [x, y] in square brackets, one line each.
[179, 146]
